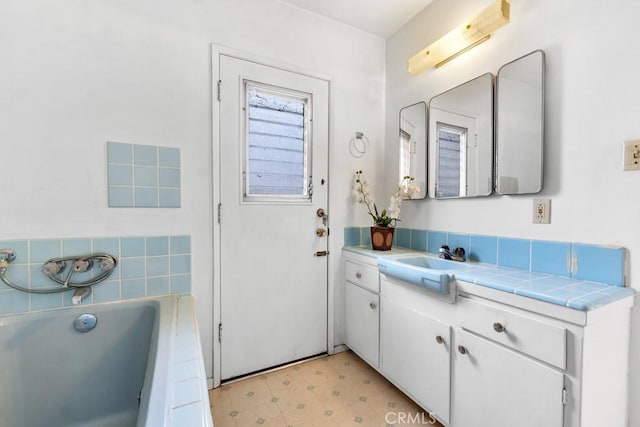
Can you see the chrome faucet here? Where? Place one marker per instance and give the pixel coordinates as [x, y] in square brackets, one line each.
[457, 255]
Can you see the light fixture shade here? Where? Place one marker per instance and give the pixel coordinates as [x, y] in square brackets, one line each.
[468, 35]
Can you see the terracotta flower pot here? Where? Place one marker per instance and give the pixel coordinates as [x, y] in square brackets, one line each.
[381, 238]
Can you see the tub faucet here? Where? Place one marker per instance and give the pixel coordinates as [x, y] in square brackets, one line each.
[457, 255]
[79, 294]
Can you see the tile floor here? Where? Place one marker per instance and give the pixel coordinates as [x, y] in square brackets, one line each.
[338, 390]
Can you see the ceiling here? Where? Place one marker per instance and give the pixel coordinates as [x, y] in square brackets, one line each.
[380, 17]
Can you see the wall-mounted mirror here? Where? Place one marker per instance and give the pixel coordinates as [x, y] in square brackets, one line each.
[520, 125]
[413, 145]
[461, 140]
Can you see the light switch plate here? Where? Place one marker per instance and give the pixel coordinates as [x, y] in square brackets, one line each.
[541, 211]
[632, 155]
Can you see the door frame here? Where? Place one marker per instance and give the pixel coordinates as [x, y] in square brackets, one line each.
[216, 52]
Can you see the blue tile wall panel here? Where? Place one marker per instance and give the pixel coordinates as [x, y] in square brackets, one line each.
[143, 176]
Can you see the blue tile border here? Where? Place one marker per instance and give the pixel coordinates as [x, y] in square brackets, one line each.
[143, 176]
[596, 263]
[147, 266]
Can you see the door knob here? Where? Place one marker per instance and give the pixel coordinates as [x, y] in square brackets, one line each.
[321, 232]
[439, 339]
[462, 349]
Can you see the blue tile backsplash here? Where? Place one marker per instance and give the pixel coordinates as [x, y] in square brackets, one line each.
[483, 249]
[514, 253]
[597, 263]
[602, 264]
[147, 266]
[551, 257]
[143, 176]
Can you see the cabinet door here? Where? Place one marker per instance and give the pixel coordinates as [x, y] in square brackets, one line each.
[497, 387]
[415, 355]
[362, 322]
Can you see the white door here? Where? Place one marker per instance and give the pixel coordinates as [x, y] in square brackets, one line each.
[273, 179]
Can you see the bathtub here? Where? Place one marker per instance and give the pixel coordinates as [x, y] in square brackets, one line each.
[121, 373]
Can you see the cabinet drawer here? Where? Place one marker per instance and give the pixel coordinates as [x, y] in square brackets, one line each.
[529, 335]
[362, 275]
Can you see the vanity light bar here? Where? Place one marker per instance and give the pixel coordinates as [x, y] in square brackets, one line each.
[465, 37]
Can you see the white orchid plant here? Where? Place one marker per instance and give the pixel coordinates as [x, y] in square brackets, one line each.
[388, 217]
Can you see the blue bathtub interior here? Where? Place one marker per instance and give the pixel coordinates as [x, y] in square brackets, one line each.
[53, 375]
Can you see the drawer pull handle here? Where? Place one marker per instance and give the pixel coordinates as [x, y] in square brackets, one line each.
[359, 275]
[499, 327]
[372, 305]
[462, 349]
[439, 339]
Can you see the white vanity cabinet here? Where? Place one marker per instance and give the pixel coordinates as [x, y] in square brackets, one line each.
[491, 358]
[362, 308]
[414, 346]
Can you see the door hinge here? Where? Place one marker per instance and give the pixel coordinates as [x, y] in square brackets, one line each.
[219, 90]
[219, 332]
[219, 213]
[565, 396]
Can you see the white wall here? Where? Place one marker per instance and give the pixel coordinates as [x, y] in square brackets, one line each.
[592, 107]
[78, 73]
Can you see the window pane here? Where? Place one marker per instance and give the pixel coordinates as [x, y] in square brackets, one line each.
[277, 142]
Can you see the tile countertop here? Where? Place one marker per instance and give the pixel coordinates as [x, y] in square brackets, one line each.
[577, 294]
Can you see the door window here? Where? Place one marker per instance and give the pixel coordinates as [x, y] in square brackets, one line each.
[277, 144]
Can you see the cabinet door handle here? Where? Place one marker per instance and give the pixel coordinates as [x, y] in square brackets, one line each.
[372, 305]
[499, 327]
[359, 275]
[462, 349]
[439, 339]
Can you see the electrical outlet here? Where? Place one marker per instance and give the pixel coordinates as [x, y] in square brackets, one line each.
[541, 211]
[632, 155]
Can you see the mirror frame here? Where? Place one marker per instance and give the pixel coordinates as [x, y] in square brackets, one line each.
[540, 182]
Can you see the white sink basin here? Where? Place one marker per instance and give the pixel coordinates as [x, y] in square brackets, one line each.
[428, 272]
